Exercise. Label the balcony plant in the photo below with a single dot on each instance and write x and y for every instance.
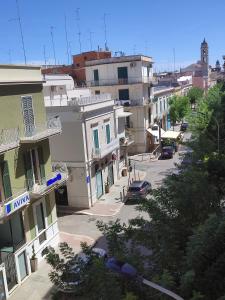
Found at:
(33, 261)
(107, 186)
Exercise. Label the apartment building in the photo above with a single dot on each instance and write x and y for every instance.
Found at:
(93, 142)
(28, 220)
(129, 80)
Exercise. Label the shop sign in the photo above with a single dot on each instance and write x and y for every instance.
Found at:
(17, 203)
(54, 179)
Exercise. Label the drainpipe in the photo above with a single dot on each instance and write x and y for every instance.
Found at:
(87, 153)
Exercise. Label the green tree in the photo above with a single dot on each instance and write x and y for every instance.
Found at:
(179, 108)
(195, 94)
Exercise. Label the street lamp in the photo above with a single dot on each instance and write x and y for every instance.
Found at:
(130, 272)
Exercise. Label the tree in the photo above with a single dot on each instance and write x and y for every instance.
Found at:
(179, 107)
(195, 94)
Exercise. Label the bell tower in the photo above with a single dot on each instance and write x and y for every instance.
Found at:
(204, 52)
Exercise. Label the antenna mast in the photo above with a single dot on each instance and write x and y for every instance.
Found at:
(78, 26)
(105, 32)
(21, 31)
(53, 43)
(67, 43)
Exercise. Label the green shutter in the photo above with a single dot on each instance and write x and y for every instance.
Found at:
(122, 73)
(41, 164)
(96, 141)
(6, 179)
(28, 170)
(108, 133)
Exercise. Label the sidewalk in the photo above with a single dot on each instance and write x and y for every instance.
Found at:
(38, 285)
(110, 204)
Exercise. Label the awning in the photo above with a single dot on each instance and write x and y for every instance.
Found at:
(124, 114)
(155, 132)
(171, 134)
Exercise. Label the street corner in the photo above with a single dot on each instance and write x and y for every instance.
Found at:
(102, 209)
(75, 240)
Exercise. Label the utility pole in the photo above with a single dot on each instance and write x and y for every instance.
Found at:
(67, 43)
(53, 43)
(21, 31)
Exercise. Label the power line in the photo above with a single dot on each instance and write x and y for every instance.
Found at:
(53, 43)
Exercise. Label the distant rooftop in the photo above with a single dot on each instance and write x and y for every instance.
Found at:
(119, 59)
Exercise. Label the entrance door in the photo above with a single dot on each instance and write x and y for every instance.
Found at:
(110, 174)
(99, 186)
(10, 269)
(61, 197)
(2, 287)
(22, 265)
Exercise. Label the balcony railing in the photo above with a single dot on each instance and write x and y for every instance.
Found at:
(37, 132)
(58, 177)
(82, 101)
(120, 81)
(137, 102)
(9, 139)
(98, 153)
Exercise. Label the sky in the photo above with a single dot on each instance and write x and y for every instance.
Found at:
(158, 28)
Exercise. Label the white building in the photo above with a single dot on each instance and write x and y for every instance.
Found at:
(89, 143)
(128, 79)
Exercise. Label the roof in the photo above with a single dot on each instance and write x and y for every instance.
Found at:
(171, 134)
(155, 132)
(119, 59)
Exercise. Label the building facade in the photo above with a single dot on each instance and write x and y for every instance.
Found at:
(28, 221)
(129, 80)
(89, 144)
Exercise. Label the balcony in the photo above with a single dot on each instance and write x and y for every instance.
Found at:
(58, 177)
(126, 140)
(136, 102)
(38, 132)
(9, 139)
(120, 81)
(99, 153)
(19, 199)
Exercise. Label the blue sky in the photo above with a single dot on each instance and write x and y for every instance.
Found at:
(152, 27)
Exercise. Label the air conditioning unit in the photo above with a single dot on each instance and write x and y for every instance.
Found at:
(133, 64)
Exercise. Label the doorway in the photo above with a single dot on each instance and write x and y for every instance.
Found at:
(99, 186)
(110, 174)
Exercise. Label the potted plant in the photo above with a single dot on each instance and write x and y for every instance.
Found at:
(33, 261)
(107, 186)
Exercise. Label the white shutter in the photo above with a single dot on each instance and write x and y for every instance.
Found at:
(28, 114)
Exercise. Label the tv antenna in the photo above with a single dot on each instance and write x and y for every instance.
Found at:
(105, 32)
(67, 43)
(21, 30)
(78, 26)
(53, 42)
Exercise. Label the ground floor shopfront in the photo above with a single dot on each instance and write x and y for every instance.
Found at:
(32, 226)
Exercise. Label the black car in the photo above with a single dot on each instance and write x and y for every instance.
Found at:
(167, 152)
(138, 189)
(183, 126)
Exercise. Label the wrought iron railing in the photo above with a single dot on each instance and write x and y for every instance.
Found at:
(120, 81)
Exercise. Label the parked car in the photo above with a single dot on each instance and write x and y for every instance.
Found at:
(184, 126)
(138, 189)
(167, 152)
(121, 267)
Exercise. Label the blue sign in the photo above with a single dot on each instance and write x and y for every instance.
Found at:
(17, 203)
(88, 179)
(54, 179)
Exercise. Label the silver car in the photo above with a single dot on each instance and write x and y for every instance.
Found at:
(138, 189)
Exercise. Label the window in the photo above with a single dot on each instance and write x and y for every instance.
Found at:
(6, 192)
(122, 75)
(28, 115)
(97, 92)
(107, 128)
(96, 140)
(124, 94)
(34, 167)
(96, 76)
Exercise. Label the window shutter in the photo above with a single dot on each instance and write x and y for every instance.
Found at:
(41, 164)
(107, 133)
(28, 170)
(96, 141)
(28, 115)
(6, 179)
